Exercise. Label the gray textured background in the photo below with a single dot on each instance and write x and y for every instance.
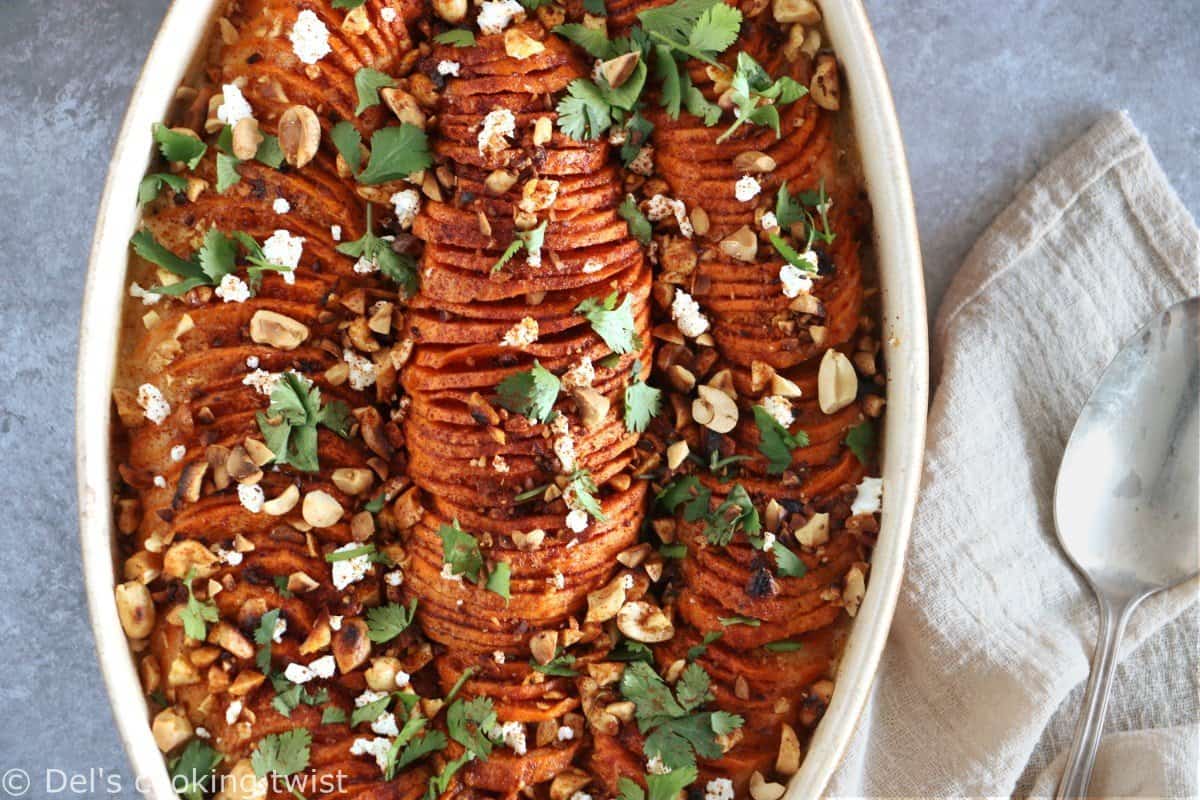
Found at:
(987, 92)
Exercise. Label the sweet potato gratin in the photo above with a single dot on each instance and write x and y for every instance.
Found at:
(498, 402)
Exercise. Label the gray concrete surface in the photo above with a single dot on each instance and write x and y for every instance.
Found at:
(987, 92)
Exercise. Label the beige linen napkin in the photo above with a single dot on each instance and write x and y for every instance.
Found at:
(981, 680)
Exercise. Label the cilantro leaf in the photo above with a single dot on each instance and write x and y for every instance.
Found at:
(440, 783)
(269, 152)
(468, 722)
(592, 40)
(790, 254)
(283, 754)
(457, 37)
(783, 646)
(560, 665)
(788, 210)
(146, 246)
(290, 422)
(192, 773)
(612, 323)
(532, 393)
(414, 747)
(217, 255)
(371, 711)
(498, 580)
(595, 7)
(461, 551)
(639, 226)
(227, 174)
(788, 563)
(736, 513)
(584, 113)
(333, 715)
(152, 184)
(264, 635)
(348, 4)
(861, 441)
(176, 146)
(642, 402)
(697, 650)
(530, 241)
(348, 141)
(387, 622)
(581, 492)
(399, 267)
(367, 83)
(697, 28)
(715, 29)
(775, 442)
(396, 152)
(740, 620)
(196, 615)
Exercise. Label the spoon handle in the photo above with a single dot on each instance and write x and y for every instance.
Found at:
(1078, 773)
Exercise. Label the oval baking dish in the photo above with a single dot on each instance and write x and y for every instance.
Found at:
(865, 101)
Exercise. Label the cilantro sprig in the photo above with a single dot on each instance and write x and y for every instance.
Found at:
(735, 513)
(290, 422)
(192, 772)
(612, 323)
(642, 401)
(531, 393)
(397, 152)
(756, 98)
(399, 267)
(196, 614)
(367, 83)
(776, 442)
(531, 241)
(283, 754)
(460, 551)
(385, 623)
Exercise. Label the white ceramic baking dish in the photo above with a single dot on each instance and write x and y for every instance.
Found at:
(183, 32)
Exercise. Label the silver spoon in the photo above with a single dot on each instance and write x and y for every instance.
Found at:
(1125, 504)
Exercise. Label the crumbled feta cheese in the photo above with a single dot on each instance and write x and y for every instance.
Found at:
(592, 265)
(362, 370)
(365, 266)
(385, 725)
(406, 204)
(627, 582)
(445, 67)
(581, 795)
(577, 520)
(659, 207)
(335, 622)
(388, 14)
(523, 334)
(298, 673)
(565, 733)
(234, 107)
(231, 557)
(579, 376)
(768, 542)
(498, 125)
(252, 362)
(769, 221)
(780, 409)
(747, 188)
(153, 403)
(367, 697)
(323, 667)
(448, 573)
(377, 747)
(402, 678)
(283, 249)
(643, 162)
(310, 38)
(350, 570)
(496, 15)
(655, 766)
(336, 232)
(279, 630)
(251, 497)
(500, 464)
(263, 382)
(687, 315)
(160, 481)
(512, 734)
(394, 578)
(499, 657)
(148, 298)
(870, 497)
(719, 789)
(178, 452)
(232, 289)
(203, 733)
(795, 280)
(280, 205)
(559, 579)
(564, 449)
(233, 711)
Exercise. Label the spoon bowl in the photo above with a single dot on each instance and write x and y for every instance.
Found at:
(1127, 495)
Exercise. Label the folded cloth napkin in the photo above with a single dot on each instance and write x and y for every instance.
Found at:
(982, 678)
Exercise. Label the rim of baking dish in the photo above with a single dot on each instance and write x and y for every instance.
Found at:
(178, 43)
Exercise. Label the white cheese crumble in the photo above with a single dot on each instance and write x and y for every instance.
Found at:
(627, 582)
(564, 444)
(178, 452)
(512, 734)
(365, 266)
(350, 570)
(769, 221)
(448, 573)
(148, 298)
(234, 107)
(263, 382)
(310, 38)
(719, 789)
(160, 481)
(795, 280)
(565, 733)
(780, 409)
(687, 315)
(388, 15)
(203, 733)
(335, 622)
(402, 678)
(232, 289)
(153, 403)
(496, 15)
(284, 250)
(768, 542)
(581, 795)
(252, 362)
(251, 497)
(747, 188)
(643, 162)
(655, 766)
(367, 697)
(280, 630)
(394, 578)
(233, 711)
(336, 232)
(499, 464)
(559, 579)
(523, 334)
(377, 748)
(577, 522)
(231, 557)
(870, 497)
(280, 205)
(445, 67)
(406, 204)
(592, 265)
(362, 370)
(579, 376)
(385, 725)
(499, 657)
(498, 125)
